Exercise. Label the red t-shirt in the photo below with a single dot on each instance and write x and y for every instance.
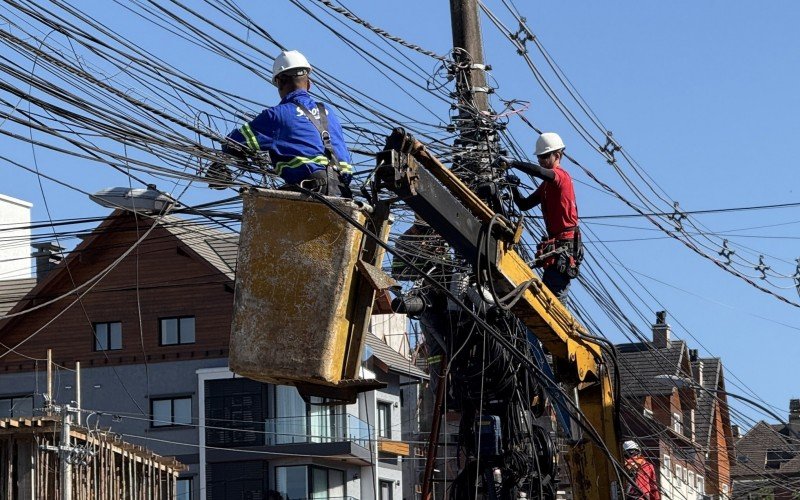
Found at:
(558, 205)
(645, 477)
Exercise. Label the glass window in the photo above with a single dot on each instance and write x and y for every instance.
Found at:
(186, 330)
(292, 482)
(182, 411)
(184, 489)
(386, 490)
(107, 336)
(319, 484)
(384, 420)
(303, 482)
(677, 424)
(171, 411)
(179, 330)
(162, 412)
(18, 406)
(336, 486)
(290, 416)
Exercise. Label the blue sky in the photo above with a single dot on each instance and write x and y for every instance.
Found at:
(702, 94)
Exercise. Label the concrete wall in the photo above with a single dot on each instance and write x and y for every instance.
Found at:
(15, 252)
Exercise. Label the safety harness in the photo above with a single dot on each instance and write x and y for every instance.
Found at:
(321, 124)
(565, 254)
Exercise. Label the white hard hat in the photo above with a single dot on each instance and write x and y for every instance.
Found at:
(290, 60)
(548, 142)
(630, 445)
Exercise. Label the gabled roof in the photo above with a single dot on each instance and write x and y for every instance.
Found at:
(220, 249)
(12, 291)
(217, 248)
(393, 359)
(641, 362)
(705, 414)
(766, 450)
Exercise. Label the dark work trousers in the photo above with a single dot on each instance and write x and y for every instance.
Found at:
(557, 282)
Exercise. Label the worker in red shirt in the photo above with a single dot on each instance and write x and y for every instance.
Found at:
(560, 252)
(645, 485)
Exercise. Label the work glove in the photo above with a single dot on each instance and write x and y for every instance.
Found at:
(219, 175)
(512, 180)
(503, 162)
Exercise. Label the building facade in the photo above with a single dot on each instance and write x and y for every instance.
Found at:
(149, 321)
(675, 406)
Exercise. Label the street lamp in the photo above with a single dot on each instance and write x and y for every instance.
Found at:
(149, 200)
(681, 382)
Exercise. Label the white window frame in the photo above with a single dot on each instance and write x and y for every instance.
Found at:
(389, 406)
(677, 423)
(666, 463)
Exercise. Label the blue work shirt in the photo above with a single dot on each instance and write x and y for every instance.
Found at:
(293, 142)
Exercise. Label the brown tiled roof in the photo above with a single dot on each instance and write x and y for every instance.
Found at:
(12, 291)
(767, 449)
(639, 363)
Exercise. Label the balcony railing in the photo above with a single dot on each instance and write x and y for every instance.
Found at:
(332, 428)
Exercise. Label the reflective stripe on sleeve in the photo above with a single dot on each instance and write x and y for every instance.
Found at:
(299, 161)
(250, 137)
(345, 167)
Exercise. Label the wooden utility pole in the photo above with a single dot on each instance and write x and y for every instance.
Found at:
(477, 142)
(467, 36)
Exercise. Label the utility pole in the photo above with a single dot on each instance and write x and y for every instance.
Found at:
(48, 397)
(67, 454)
(467, 36)
(65, 449)
(477, 144)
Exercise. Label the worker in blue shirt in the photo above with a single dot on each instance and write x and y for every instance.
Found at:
(304, 138)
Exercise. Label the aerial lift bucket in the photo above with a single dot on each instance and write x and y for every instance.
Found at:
(305, 284)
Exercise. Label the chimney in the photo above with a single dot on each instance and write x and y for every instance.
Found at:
(794, 411)
(661, 331)
(699, 365)
(15, 229)
(735, 431)
(47, 256)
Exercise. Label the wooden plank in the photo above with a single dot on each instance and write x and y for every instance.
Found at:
(394, 447)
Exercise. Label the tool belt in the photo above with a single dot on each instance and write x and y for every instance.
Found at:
(565, 254)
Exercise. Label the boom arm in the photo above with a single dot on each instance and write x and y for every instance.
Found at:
(437, 196)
